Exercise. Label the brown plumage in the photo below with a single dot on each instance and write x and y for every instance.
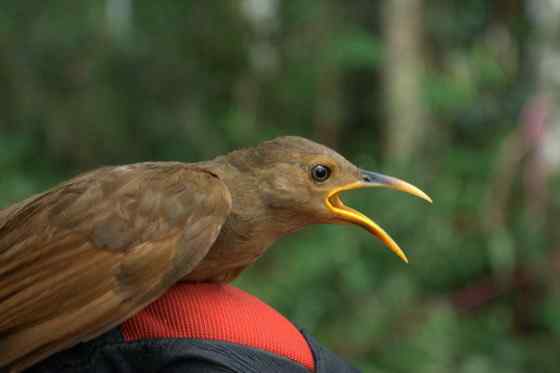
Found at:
(86, 255)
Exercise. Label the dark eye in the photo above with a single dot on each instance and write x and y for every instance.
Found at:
(320, 173)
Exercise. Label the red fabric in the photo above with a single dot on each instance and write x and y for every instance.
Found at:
(219, 312)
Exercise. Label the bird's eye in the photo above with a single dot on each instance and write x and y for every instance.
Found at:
(320, 173)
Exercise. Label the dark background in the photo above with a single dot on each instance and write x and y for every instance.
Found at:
(457, 97)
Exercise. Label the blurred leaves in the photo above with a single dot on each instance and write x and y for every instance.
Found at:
(354, 50)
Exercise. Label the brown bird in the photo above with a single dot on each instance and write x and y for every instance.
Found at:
(81, 258)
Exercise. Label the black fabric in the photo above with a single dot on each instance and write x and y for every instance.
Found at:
(111, 354)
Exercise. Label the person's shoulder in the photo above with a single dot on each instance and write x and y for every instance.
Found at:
(202, 328)
(219, 312)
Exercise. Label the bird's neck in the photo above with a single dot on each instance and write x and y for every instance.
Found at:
(248, 231)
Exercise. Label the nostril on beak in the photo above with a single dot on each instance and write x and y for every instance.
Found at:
(366, 178)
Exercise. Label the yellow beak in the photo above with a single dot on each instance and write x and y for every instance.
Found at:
(372, 180)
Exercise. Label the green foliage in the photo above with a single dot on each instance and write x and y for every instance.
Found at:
(354, 50)
(186, 85)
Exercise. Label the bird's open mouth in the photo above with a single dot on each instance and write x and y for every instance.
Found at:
(350, 215)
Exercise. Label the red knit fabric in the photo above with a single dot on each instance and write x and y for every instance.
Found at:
(219, 312)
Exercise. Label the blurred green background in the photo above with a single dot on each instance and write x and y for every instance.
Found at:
(458, 98)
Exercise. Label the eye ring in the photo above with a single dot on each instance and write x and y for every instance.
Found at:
(320, 173)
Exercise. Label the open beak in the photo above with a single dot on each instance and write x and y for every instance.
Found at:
(371, 180)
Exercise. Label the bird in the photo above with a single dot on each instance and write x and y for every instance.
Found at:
(86, 255)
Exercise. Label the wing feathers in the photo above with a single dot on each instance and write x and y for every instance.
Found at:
(84, 256)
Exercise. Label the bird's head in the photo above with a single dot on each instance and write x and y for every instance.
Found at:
(299, 182)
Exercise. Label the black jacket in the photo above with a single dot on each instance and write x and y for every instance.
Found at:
(200, 328)
(111, 354)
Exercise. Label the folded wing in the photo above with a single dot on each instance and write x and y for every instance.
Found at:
(86, 255)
